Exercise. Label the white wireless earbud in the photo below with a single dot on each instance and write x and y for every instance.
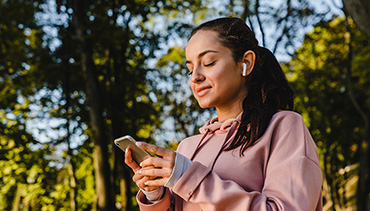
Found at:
(244, 69)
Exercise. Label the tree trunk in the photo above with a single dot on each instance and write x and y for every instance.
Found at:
(363, 175)
(105, 198)
(359, 10)
(17, 199)
(71, 166)
(73, 184)
(121, 173)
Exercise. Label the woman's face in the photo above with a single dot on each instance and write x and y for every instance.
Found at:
(216, 79)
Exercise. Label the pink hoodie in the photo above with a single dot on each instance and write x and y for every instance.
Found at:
(281, 171)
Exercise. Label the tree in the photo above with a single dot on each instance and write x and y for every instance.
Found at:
(116, 71)
(359, 10)
(115, 41)
(26, 177)
(325, 73)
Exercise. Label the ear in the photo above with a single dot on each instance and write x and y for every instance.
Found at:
(249, 59)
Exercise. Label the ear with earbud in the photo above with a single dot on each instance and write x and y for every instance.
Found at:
(244, 69)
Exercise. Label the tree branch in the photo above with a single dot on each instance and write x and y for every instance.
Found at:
(256, 6)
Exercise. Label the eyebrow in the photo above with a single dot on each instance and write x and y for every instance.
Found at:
(202, 54)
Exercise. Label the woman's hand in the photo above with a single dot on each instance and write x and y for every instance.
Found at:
(138, 178)
(157, 170)
(153, 172)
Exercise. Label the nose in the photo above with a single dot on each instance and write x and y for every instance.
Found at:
(197, 76)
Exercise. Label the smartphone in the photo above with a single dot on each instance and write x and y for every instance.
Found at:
(137, 154)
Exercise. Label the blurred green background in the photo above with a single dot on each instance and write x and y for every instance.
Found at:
(76, 74)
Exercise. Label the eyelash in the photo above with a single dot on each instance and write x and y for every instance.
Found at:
(206, 65)
(210, 64)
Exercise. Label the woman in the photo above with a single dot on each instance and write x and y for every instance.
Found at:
(257, 155)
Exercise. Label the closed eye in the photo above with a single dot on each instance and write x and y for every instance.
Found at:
(210, 64)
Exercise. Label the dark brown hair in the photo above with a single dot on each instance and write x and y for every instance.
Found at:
(268, 88)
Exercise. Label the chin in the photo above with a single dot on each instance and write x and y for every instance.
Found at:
(204, 106)
(205, 102)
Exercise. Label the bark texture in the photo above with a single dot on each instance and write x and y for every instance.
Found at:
(105, 197)
(359, 10)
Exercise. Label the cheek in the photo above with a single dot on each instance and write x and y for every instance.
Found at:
(221, 76)
(192, 88)
(228, 73)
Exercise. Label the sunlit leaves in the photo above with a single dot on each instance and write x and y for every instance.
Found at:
(319, 75)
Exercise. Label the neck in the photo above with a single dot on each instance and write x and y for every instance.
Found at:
(227, 114)
(232, 109)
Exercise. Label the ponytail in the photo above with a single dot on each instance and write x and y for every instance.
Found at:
(268, 92)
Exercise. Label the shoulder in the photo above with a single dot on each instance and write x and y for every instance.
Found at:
(286, 120)
(286, 116)
(290, 136)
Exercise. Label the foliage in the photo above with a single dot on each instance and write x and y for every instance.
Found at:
(25, 173)
(122, 40)
(319, 75)
(136, 49)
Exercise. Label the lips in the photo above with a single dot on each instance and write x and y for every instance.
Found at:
(201, 91)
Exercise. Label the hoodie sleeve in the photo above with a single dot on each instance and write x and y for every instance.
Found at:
(292, 180)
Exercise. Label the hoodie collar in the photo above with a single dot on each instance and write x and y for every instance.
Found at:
(214, 125)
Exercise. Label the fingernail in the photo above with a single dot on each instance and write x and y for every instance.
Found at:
(141, 164)
(146, 183)
(139, 143)
(126, 150)
(139, 172)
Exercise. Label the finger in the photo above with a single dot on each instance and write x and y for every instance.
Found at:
(157, 172)
(156, 182)
(143, 184)
(156, 149)
(139, 175)
(150, 188)
(130, 162)
(158, 162)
